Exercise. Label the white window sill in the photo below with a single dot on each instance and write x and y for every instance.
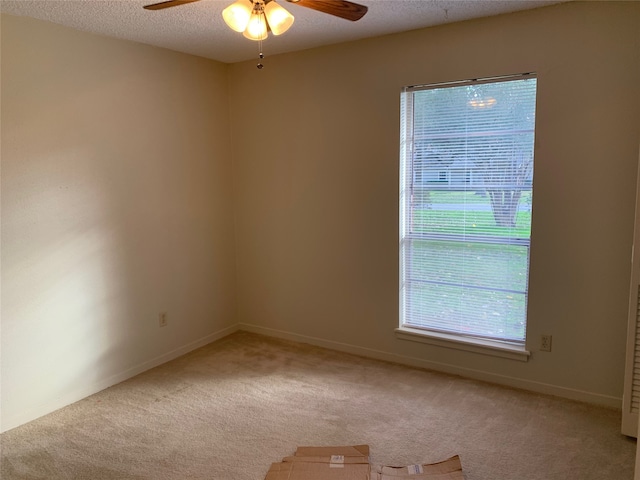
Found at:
(476, 345)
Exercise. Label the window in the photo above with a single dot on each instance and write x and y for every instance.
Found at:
(465, 208)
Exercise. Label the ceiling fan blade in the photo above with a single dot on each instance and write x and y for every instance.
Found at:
(338, 8)
(167, 4)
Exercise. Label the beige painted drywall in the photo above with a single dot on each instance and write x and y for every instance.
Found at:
(116, 206)
(317, 188)
(117, 200)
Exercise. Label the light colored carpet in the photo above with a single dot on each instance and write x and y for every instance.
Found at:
(230, 409)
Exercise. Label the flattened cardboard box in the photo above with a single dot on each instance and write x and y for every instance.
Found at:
(324, 463)
(450, 469)
(420, 476)
(318, 471)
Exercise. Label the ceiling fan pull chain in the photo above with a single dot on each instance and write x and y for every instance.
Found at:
(260, 54)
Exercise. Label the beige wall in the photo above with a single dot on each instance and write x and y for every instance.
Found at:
(116, 205)
(117, 199)
(317, 189)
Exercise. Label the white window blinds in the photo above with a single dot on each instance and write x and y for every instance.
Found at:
(466, 197)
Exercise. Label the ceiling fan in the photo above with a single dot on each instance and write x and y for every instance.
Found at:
(339, 8)
(256, 18)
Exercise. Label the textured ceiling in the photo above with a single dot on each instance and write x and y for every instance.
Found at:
(197, 28)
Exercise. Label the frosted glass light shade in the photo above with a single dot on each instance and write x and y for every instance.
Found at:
(257, 27)
(279, 19)
(482, 102)
(237, 15)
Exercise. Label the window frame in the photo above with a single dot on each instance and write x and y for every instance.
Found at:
(500, 348)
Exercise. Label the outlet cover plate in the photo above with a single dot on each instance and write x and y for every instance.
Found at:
(545, 343)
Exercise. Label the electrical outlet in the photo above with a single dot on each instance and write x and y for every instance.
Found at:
(162, 319)
(545, 343)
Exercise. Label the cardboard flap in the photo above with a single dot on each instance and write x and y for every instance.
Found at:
(347, 451)
(319, 459)
(421, 476)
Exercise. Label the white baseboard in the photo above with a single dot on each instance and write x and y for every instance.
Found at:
(38, 411)
(530, 385)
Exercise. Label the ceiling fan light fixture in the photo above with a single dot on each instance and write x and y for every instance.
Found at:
(237, 15)
(280, 20)
(257, 27)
